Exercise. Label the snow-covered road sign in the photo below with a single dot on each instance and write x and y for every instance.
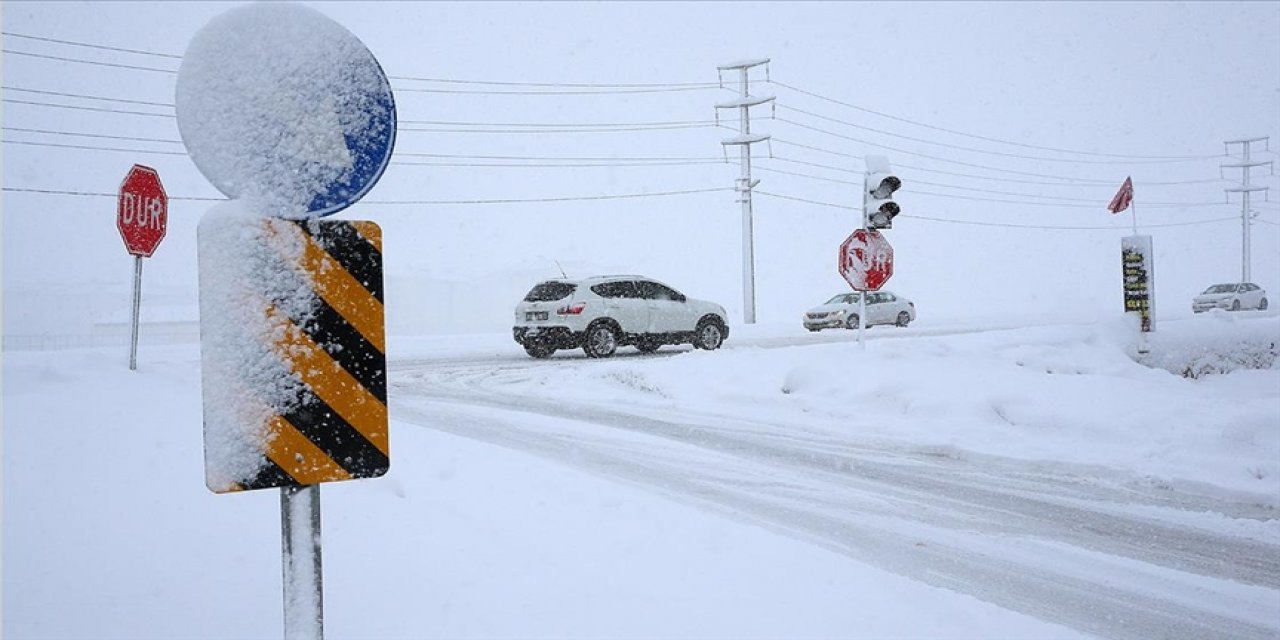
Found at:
(866, 260)
(295, 374)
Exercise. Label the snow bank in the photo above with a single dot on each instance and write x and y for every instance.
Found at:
(1058, 393)
(1220, 342)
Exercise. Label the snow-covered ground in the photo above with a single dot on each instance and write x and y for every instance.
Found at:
(587, 519)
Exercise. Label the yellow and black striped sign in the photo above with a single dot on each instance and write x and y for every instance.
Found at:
(324, 313)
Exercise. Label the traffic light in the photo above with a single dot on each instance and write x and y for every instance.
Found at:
(879, 209)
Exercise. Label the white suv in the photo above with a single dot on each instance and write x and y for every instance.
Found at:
(602, 313)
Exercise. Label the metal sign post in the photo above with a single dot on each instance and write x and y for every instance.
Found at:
(303, 297)
(137, 307)
(303, 587)
(142, 217)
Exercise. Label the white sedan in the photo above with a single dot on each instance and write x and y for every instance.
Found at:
(1233, 296)
(883, 307)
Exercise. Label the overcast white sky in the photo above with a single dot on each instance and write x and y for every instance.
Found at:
(934, 86)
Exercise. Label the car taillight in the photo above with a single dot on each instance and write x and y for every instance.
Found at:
(572, 309)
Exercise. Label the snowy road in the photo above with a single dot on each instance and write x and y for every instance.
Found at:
(1090, 548)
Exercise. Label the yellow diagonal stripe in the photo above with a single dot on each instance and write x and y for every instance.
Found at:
(335, 386)
(344, 293)
(301, 459)
(370, 232)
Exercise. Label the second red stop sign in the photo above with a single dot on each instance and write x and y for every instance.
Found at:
(866, 260)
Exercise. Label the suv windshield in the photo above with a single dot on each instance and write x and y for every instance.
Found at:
(1221, 288)
(548, 291)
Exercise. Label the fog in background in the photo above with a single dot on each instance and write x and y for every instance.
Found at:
(950, 92)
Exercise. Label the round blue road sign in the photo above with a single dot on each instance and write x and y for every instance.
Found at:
(282, 107)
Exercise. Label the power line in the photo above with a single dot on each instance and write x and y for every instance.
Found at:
(621, 196)
(642, 127)
(556, 164)
(651, 85)
(89, 135)
(915, 153)
(1137, 160)
(458, 123)
(1073, 182)
(82, 108)
(936, 128)
(997, 224)
(88, 97)
(91, 148)
(649, 124)
(546, 131)
(570, 92)
(553, 163)
(10, 34)
(565, 158)
(805, 175)
(83, 61)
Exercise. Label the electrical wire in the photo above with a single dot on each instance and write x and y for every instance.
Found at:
(88, 135)
(88, 97)
(1139, 160)
(83, 61)
(945, 130)
(994, 224)
(1060, 183)
(10, 34)
(83, 108)
(914, 153)
(621, 196)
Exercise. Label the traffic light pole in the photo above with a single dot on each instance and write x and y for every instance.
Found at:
(862, 295)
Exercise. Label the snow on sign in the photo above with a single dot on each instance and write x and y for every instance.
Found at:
(866, 260)
(284, 108)
(142, 211)
(288, 114)
(293, 342)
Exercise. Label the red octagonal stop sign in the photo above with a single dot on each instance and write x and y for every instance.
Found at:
(142, 211)
(866, 260)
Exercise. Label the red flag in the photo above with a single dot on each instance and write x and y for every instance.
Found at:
(1123, 197)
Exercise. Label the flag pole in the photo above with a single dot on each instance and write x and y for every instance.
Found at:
(1135, 218)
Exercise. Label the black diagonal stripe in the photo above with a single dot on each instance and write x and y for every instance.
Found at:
(269, 476)
(358, 256)
(333, 435)
(347, 347)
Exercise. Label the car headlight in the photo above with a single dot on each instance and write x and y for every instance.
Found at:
(839, 313)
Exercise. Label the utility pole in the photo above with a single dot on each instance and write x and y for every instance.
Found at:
(1245, 165)
(744, 183)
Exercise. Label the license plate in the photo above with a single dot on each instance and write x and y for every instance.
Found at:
(531, 316)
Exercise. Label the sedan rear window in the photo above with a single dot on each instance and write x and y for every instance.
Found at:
(548, 291)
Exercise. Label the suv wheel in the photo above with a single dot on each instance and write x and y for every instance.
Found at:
(539, 350)
(709, 336)
(851, 322)
(601, 341)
